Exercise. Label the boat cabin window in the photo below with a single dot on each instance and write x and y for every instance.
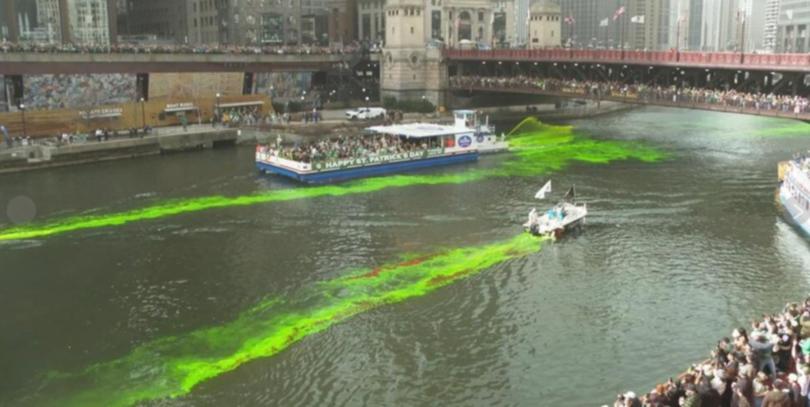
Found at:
(467, 118)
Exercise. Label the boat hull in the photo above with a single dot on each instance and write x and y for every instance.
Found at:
(326, 177)
(793, 211)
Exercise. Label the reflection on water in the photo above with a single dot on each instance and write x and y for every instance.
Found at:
(675, 254)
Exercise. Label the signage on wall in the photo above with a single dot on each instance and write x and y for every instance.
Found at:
(101, 113)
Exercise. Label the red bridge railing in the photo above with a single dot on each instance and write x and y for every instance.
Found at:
(778, 62)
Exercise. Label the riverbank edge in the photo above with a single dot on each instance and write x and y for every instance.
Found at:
(196, 138)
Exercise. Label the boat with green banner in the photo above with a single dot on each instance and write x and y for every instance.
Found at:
(380, 150)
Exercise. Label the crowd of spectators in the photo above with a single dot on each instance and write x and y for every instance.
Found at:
(65, 138)
(644, 92)
(766, 365)
(342, 148)
(240, 116)
(9, 47)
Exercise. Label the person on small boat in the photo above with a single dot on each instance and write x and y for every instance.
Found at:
(533, 216)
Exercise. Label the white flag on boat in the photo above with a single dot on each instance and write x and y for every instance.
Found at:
(541, 194)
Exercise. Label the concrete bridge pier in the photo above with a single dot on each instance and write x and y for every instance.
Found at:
(409, 71)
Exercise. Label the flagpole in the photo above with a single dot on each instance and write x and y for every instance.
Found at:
(621, 36)
(678, 41)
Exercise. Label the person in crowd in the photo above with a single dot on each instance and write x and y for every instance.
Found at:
(6, 138)
(347, 147)
(761, 344)
(778, 396)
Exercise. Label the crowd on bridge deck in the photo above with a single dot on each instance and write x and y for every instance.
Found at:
(644, 92)
(343, 147)
(123, 48)
(764, 365)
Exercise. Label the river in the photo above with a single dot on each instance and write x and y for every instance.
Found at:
(675, 254)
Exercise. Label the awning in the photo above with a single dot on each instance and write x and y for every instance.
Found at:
(175, 109)
(241, 104)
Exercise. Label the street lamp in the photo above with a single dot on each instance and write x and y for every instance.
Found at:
(143, 113)
(216, 108)
(25, 130)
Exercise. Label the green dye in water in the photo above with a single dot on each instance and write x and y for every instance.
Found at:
(537, 149)
(785, 128)
(172, 366)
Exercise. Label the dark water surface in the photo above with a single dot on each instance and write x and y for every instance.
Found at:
(675, 255)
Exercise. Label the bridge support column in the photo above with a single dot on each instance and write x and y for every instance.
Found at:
(414, 74)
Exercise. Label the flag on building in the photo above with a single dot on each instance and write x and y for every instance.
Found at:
(637, 19)
(789, 14)
(603, 23)
(570, 20)
(618, 13)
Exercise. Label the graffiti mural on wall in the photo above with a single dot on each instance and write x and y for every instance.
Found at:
(188, 86)
(77, 91)
(283, 85)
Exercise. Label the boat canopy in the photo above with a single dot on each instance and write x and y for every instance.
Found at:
(418, 130)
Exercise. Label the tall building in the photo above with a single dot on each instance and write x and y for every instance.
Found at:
(770, 25)
(521, 13)
(793, 26)
(504, 23)
(8, 24)
(721, 20)
(545, 23)
(371, 20)
(276, 22)
(83, 22)
(53, 23)
(92, 22)
(165, 20)
(753, 27)
(455, 22)
(645, 25)
(206, 21)
(694, 26)
(590, 16)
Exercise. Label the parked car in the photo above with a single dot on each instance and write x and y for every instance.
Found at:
(365, 113)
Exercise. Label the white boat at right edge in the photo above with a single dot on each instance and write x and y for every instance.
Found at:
(794, 191)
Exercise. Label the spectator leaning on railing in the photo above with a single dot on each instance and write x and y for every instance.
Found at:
(767, 364)
(653, 93)
(8, 47)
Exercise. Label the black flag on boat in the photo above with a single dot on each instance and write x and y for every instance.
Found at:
(570, 195)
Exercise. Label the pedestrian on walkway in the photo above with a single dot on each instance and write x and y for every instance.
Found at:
(6, 138)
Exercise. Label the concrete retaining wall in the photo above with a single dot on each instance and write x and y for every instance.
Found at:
(45, 156)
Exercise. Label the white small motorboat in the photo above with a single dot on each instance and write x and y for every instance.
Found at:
(558, 220)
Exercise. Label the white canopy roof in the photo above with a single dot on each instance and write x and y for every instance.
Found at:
(418, 130)
(240, 104)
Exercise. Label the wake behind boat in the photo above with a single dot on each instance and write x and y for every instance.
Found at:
(567, 215)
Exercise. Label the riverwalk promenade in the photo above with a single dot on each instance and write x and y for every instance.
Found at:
(50, 153)
(28, 154)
